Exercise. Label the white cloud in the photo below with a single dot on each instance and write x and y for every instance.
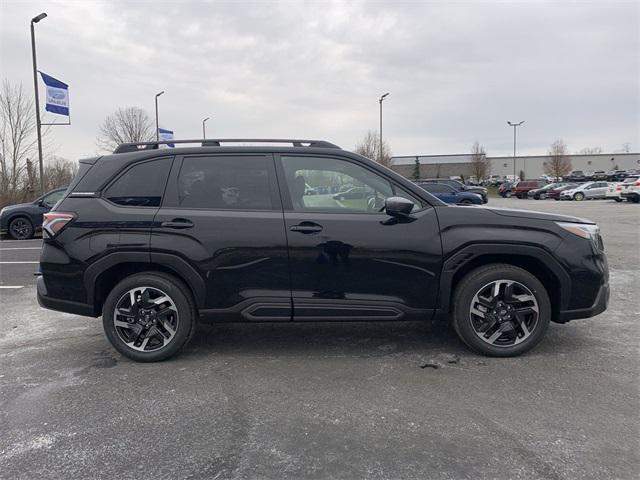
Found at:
(456, 71)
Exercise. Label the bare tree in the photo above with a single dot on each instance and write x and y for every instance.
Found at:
(590, 151)
(129, 124)
(369, 147)
(559, 163)
(17, 138)
(59, 173)
(480, 164)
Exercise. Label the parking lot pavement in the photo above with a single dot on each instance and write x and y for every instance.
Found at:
(326, 400)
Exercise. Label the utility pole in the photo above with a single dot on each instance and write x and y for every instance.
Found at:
(35, 20)
(157, 125)
(515, 125)
(204, 131)
(380, 153)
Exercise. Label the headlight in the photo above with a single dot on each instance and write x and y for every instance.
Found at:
(589, 231)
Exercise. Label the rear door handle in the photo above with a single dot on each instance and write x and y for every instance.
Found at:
(179, 223)
(306, 228)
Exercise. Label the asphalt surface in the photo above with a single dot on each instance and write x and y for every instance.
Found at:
(324, 400)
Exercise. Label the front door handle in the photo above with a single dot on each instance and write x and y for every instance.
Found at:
(179, 223)
(306, 228)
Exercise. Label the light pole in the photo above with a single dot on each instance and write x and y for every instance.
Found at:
(157, 126)
(515, 125)
(204, 131)
(380, 101)
(35, 20)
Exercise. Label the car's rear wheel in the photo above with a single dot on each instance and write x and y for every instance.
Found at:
(21, 228)
(501, 310)
(149, 317)
(579, 196)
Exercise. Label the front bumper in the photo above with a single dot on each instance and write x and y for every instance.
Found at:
(60, 305)
(599, 306)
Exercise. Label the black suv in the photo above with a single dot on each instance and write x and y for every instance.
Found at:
(156, 239)
(459, 186)
(22, 221)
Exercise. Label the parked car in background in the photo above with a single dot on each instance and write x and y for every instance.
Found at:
(351, 194)
(459, 186)
(599, 176)
(24, 220)
(556, 191)
(522, 188)
(505, 190)
(448, 194)
(576, 176)
(630, 189)
(617, 175)
(586, 191)
(541, 193)
(550, 179)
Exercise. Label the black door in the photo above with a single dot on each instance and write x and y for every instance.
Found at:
(222, 214)
(348, 260)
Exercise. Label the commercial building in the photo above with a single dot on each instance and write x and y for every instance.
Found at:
(531, 165)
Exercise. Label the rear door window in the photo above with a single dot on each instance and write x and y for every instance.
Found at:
(141, 185)
(218, 182)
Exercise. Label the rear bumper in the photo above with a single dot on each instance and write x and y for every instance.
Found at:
(59, 305)
(599, 305)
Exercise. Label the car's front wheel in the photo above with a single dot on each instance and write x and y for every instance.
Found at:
(21, 229)
(149, 317)
(579, 196)
(501, 310)
(543, 196)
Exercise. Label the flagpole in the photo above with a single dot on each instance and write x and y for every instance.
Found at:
(35, 88)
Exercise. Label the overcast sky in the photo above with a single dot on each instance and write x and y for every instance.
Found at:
(457, 71)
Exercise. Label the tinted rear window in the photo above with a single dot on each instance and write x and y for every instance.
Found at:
(141, 185)
(225, 183)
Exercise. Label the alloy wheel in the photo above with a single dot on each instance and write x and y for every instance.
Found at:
(145, 319)
(20, 229)
(504, 313)
(579, 196)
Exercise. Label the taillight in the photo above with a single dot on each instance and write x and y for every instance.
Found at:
(637, 184)
(54, 222)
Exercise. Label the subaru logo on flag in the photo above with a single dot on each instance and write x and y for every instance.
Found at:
(57, 95)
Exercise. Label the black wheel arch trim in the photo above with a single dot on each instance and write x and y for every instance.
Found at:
(179, 266)
(462, 257)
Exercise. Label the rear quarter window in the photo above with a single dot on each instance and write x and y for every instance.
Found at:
(140, 185)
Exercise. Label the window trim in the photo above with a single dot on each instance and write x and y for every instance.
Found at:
(170, 198)
(286, 197)
(129, 166)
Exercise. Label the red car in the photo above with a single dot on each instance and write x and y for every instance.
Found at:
(555, 192)
(522, 188)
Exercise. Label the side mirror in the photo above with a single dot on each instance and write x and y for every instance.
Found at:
(398, 206)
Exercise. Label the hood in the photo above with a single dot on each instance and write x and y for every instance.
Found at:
(475, 188)
(17, 206)
(507, 212)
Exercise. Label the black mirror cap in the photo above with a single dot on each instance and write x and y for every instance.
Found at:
(398, 206)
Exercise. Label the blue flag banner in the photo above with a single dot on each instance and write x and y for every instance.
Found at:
(165, 135)
(57, 95)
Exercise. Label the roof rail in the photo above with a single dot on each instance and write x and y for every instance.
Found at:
(216, 142)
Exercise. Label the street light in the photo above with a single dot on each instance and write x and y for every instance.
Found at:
(157, 126)
(204, 132)
(35, 20)
(515, 125)
(381, 99)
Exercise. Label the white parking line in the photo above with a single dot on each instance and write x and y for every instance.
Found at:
(20, 248)
(11, 286)
(3, 263)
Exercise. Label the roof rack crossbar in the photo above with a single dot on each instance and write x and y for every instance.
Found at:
(208, 142)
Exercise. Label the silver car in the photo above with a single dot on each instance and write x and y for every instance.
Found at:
(586, 191)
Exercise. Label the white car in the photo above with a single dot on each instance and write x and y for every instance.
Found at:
(615, 189)
(630, 189)
(589, 190)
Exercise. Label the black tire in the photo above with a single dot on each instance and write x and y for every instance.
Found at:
(179, 295)
(507, 195)
(542, 196)
(478, 279)
(465, 202)
(21, 228)
(578, 197)
(617, 199)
